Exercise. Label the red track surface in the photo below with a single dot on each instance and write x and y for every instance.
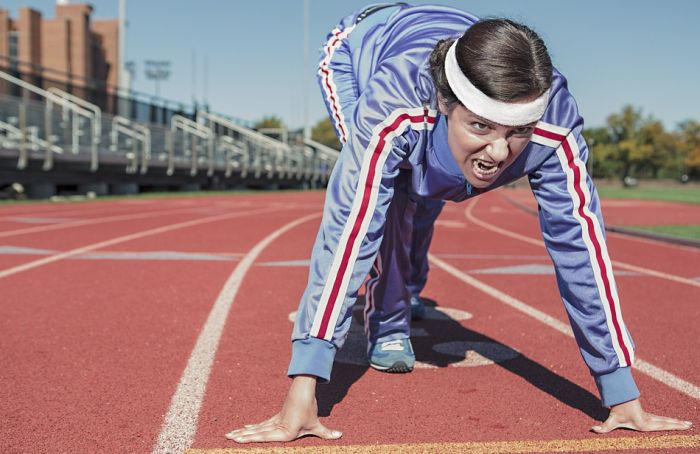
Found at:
(93, 350)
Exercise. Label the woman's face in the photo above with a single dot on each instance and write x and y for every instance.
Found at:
(482, 148)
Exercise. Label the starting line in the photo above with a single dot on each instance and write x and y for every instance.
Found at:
(488, 447)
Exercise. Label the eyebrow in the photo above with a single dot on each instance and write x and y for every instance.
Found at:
(492, 123)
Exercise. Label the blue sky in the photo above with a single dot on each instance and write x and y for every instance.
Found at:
(613, 52)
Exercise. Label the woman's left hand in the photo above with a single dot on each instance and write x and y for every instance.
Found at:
(631, 415)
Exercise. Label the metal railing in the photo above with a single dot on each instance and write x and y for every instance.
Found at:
(267, 155)
(135, 134)
(324, 160)
(95, 116)
(15, 137)
(191, 131)
(237, 156)
(71, 113)
(58, 123)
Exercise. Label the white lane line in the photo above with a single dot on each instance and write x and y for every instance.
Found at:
(180, 425)
(665, 377)
(626, 266)
(656, 243)
(128, 255)
(58, 210)
(533, 211)
(503, 297)
(36, 220)
(120, 217)
(122, 239)
(649, 369)
(492, 256)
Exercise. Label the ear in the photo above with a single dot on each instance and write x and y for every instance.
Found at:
(442, 107)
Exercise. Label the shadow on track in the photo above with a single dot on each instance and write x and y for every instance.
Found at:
(449, 342)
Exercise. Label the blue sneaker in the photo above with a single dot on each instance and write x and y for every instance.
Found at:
(417, 308)
(394, 356)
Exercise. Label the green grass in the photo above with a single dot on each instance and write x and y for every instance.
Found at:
(685, 194)
(690, 232)
(153, 195)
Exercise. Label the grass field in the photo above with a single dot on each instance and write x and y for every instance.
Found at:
(685, 194)
(691, 232)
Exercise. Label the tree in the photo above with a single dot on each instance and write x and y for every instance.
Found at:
(272, 121)
(624, 134)
(272, 126)
(633, 144)
(688, 138)
(640, 145)
(602, 160)
(662, 156)
(324, 132)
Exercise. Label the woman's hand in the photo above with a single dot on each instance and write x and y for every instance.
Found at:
(299, 417)
(631, 415)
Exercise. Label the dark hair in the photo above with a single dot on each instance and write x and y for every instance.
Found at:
(507, 61)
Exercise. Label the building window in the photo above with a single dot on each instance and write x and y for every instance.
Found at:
(14, 49)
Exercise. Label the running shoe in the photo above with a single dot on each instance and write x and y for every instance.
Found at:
(394, 356)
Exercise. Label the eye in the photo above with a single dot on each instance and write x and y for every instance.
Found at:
(480, 126)
(523, 131)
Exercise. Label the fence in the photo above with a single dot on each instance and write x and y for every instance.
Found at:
(48, 128)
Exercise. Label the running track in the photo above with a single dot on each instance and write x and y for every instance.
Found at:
(158, 325)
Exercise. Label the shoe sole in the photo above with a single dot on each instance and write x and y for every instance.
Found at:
(398, 367)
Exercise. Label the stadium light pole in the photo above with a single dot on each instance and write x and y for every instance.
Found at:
(305, 78)
(157, 70)
(123, 74)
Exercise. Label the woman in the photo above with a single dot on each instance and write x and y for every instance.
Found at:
(428, 111)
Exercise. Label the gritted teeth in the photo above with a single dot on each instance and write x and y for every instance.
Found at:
(485, 165)
(484, 169)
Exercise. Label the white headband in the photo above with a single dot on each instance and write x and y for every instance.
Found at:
(504, 113)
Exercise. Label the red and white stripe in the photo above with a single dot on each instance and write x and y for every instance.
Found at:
(569, 156)
(361, 213)
(548, 135)
(370, 306)
(329, 88)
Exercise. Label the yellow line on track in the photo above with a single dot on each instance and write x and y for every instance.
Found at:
(488, 447)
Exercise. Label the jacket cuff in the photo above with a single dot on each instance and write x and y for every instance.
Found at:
(312, 356)
(617, 387)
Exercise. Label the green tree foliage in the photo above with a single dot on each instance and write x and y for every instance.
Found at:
(324, 132)
(688, 139)
(272, 121)
(602, 158)
(635, 145)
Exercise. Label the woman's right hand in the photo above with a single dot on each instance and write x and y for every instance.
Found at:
(299, 417)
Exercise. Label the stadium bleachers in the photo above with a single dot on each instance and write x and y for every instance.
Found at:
(52, 139)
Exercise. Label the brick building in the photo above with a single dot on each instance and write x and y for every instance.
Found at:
(71, 48)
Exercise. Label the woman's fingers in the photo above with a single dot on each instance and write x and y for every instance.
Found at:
(251, 431)
(248, 427)
(265, 434)
(609, 425)
(267, 422)
(643, 423)
(321, 431)
(268, 431)
(277, 433)
(666, 423)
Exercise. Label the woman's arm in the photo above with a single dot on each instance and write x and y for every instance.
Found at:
(574, 234)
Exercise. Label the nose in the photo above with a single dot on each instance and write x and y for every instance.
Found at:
(498, 150)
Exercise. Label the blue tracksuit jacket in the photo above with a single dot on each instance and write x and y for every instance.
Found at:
(380, 94)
